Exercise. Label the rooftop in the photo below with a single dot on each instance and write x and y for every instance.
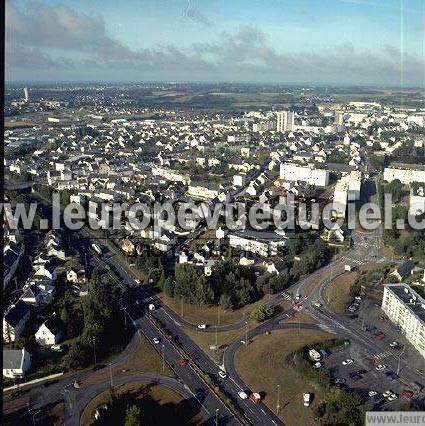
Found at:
(409, 298)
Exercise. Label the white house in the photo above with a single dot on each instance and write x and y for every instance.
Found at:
(50, 332)
(16, 362)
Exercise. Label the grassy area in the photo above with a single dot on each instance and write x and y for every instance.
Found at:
(211, 315)
(143, 359)
(262, 366)
(338, 291)
(204, 340)
(158, 405)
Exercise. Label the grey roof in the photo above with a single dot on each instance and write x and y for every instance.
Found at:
(406, 268)
(33, 291)
(12, 358)
(338, 167)
(16, 313)
(410, 299)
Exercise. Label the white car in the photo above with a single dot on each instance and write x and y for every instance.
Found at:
(372, 393)
(347, 361)
(243, 395)
(317, 365)
(317, 304)
(222, 374)
(394, 344)
(202, 326)
(392, 397)
(56, 348)
(387, 393)
(306, 399)
(156, 340)
(137, 281)
(380, 367)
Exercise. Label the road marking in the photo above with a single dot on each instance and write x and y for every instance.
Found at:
(171, 318)
(383, 355)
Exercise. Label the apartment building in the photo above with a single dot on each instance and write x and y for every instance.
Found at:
(291, 172)
(406, 308)
(285, 121)
(405, 173)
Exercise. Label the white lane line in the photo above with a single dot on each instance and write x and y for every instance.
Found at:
(171, 318)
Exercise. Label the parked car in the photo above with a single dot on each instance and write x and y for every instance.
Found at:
(408, 394)
(57, 348)
(380, 367)
(243, 395)
(202, 326)
(155, 340)
(222, 374)
(387, 393)
(347, 361)
(306, 399)
(394, 345)
(339, 381)
(372, 393)
(392, 397)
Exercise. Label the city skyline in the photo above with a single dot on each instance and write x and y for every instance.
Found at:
(339, 42)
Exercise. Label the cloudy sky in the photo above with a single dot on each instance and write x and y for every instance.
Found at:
(285, 41)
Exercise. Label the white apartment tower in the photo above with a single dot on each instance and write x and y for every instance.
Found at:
(406, 308)
(26, 94)
(285, 121)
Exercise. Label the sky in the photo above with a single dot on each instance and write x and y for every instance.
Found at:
(338, 42)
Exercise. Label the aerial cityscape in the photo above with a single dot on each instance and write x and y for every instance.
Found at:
(214, 213)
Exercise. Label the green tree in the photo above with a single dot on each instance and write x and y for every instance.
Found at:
(64, 315)
(132, 415)
(262, 312)
(169, 286)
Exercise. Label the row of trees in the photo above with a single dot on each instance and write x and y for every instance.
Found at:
(230, 285)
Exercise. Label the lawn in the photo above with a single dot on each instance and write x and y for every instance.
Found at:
(158, 404)
(210, 315)
(338, 292)
(262, 367)
(204, 340)
(143, 359)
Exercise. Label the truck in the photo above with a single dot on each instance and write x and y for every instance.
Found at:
(96, 248)
(306, 399)
(255, 397)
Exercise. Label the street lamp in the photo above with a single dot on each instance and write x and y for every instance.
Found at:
(278, 399)
(110, 374)
(163, 358)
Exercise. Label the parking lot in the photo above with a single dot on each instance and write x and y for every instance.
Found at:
(362, 375)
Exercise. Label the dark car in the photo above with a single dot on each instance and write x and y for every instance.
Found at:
(49, 382)
(391, 375)
(98, 367)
